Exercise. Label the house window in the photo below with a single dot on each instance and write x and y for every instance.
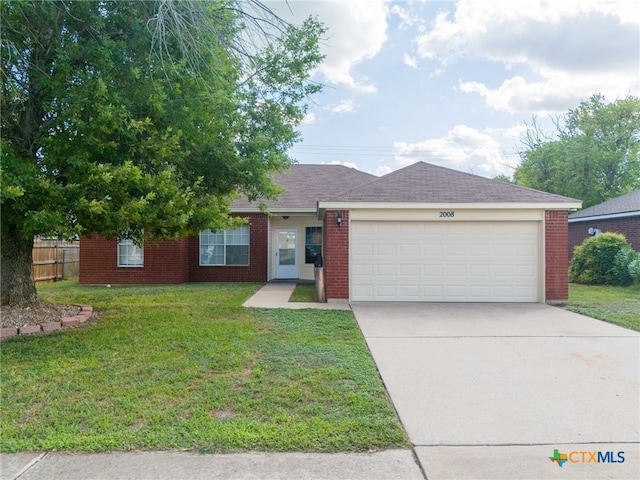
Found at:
(129, 254)
(312, 244)
(225, 247)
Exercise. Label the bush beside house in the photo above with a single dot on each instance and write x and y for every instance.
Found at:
(606, 259)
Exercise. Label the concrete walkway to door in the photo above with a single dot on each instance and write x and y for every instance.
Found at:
(491, 391)
(277, 294)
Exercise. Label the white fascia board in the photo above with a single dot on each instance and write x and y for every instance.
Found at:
(605, 217)
(466, 206)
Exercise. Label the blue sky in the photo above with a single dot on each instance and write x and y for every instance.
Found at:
(454, 82)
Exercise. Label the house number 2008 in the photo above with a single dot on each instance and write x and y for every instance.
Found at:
(447, 214)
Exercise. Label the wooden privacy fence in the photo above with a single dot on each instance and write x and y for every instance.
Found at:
(55, 259)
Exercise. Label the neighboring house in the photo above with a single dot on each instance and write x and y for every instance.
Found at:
(422, 233)
(620, 215)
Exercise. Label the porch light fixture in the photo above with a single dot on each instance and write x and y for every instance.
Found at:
(286, 217)
(338, 219)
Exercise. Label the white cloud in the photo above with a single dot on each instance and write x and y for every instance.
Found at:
(309, 119)
(410, 61)
(382, 170)
(346, 164)
(357, 30)
(463, 148)
(573, 48)
(516, 95)
(344, 106)
(407, 19)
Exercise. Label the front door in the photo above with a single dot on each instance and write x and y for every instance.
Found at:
(286, 253)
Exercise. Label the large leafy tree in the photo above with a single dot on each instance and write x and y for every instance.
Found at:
(141, 119)
(594, 156)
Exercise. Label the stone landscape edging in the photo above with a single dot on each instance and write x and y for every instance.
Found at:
(85, 314)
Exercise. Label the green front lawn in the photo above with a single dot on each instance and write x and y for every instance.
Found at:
(186, 367)
(619, 305)
(304, 292)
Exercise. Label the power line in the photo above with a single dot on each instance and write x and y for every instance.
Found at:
(362, 150)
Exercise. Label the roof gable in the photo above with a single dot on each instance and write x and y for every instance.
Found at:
(627, 203)
(426, 183)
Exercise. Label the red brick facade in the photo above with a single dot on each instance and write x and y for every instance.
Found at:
(171, 262)
(628, 226)
(336, 255)
(556, 236)
(163, 263)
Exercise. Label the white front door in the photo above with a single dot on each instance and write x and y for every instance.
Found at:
(286, 253)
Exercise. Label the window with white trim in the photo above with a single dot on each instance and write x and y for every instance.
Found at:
(226, 247)
(130, 254)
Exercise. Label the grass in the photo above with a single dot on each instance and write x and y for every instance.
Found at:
(619, 305)
(186, 367)
(304, 292)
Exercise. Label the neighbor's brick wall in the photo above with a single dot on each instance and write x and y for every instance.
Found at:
(556, 236)
(164, 262)
(629, 227)
(256, 271)
(336, 255)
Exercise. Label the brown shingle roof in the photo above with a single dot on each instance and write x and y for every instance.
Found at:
(306, 184)
(420, 182)
(423, 182)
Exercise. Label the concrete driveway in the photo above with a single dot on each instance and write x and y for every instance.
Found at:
(490, 391)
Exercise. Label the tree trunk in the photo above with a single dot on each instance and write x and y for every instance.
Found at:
(18, 286)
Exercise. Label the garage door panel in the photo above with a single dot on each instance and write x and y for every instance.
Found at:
(409, 250)
(386, 291)
(502, 271)
(525, 249)
(434, 261)
(410, 291)
(410, 229)
(480, 271)
(386, 250)
(386, 229)
(363, 270)
(410, 270)
(478, 249)
(458, 292)
(434, 250)
(434, 271)
(366, 250)
(432, 292)
(385, 270)
(366, 228)
(480, 291)
(525, 271)
(454, 271)
(456, 249)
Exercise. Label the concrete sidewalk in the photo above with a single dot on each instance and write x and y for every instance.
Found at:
(277, 294)
(389, 464)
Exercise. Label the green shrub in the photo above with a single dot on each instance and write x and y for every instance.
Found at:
(596, 261)
(621, 262)
(634, 269)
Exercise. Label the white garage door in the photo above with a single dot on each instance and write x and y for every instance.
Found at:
(444, 262)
